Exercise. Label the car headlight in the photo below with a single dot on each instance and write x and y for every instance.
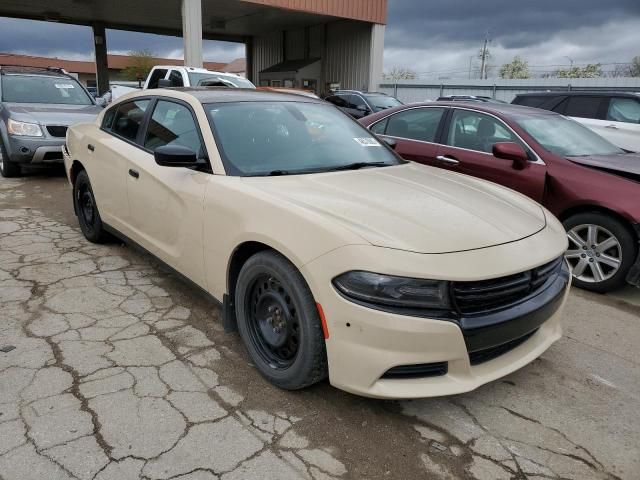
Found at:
(24, 129)
(392, 291)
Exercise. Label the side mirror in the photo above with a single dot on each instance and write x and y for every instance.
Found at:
(511, 151)
(101, 101)
(164, 83)
(175, 156)
(390, 142)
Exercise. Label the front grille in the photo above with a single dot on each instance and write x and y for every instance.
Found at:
(472, 298)
(52, 156)
(481, 356)
(57, 130)
(417, 371)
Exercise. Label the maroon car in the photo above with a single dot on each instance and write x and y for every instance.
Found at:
(591, 185)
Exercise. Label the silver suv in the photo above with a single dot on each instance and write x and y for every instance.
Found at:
(36, 108)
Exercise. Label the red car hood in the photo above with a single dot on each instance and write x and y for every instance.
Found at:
(626, 163)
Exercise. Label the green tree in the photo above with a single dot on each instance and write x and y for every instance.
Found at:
(517, 68)
(592, 70)
(141, 63)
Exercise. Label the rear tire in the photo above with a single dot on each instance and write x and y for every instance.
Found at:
(8, 169)
(87, 210)
(279, 323)
(602, 250)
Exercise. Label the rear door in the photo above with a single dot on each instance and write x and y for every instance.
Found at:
(468, 140)
(166, 203)
(415, 131)
(622, 122)
(111, 149)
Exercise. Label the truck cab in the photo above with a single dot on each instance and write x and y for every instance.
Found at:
(177, 76)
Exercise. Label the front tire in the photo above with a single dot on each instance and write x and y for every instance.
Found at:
(87, 210)
(279, 323)
(601, 251)
(8, 169)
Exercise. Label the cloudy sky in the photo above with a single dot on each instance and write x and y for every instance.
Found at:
(436, 38)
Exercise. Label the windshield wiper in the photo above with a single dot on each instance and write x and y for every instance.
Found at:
(278, 173)
(358, 166)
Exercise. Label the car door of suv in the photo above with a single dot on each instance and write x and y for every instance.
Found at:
(467, 146)
(415, 131)
(111, 150)
(622, 122)
(166, 203)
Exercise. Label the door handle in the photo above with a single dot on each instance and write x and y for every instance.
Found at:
(613, 127)
(134, 173)
(91, 148)
(447, 160)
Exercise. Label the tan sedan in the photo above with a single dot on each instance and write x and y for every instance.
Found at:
(331, 255)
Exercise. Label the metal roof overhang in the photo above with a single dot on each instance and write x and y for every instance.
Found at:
(229, 20)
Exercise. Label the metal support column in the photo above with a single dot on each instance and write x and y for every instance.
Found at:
(102, 67)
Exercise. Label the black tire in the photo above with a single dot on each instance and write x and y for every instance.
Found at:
(8, 169)
(289, 350)
(87, 210)
(626, 252)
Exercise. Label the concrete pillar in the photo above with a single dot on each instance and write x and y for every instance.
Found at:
(248, 53)
(102, 67)
(376, 56)
(192, 32)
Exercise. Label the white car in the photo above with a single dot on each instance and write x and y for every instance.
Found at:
(332, 255)
(176, 76)
(613, 115)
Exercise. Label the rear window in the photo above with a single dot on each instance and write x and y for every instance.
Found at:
(530, 101)
(43, 89)
(583, 107)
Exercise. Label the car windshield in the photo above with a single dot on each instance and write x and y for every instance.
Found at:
(43, 89)
(202, 79)
(382, 102)
(285, 138)
(565, 137)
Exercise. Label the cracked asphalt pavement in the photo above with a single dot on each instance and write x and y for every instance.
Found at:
(120, 371)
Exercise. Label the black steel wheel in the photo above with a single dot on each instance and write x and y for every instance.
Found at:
(8, 169)
(87, 210)
(279, 322)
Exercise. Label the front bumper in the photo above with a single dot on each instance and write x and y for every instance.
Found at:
(34, 150)
(633, 277)
(365, 344)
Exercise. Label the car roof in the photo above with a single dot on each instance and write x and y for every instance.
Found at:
(500, 109)
(18, 70)
(588, 93)
(228, 95)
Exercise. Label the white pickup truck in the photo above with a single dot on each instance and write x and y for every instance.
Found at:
(176, 76)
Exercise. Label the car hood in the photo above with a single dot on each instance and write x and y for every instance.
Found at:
(412, 207)
(45, 114)
(624, 163)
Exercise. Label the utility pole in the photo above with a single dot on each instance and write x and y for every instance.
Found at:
(484, 56)
(470, 65)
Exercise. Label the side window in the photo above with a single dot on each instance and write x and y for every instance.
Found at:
(380, 127)
(583, 107)
(476, 131)
(172, 124)
(530, 101)
(128, 119)
(337, 101)
(175, 77)
(107, 120)
(624, 110)
(357, 101)
(157, 74)
(417, 124)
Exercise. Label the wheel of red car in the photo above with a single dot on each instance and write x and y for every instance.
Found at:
(279, 323)
(601, 251)
(7, 169)
(87, 210)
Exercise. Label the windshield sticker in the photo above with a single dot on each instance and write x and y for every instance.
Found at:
(368, 142)
(64, 85)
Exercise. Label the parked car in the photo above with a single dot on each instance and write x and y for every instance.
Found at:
(295, 91)
(330, 253)
(590, 184)
(36, 107)
(613, 115)
(175, 76)
(360, 104)
(468, 98)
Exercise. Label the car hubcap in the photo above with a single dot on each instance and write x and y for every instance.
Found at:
(273, 323)
(594, 254)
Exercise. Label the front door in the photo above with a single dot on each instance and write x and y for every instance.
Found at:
(166, 203)
(467, 148)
